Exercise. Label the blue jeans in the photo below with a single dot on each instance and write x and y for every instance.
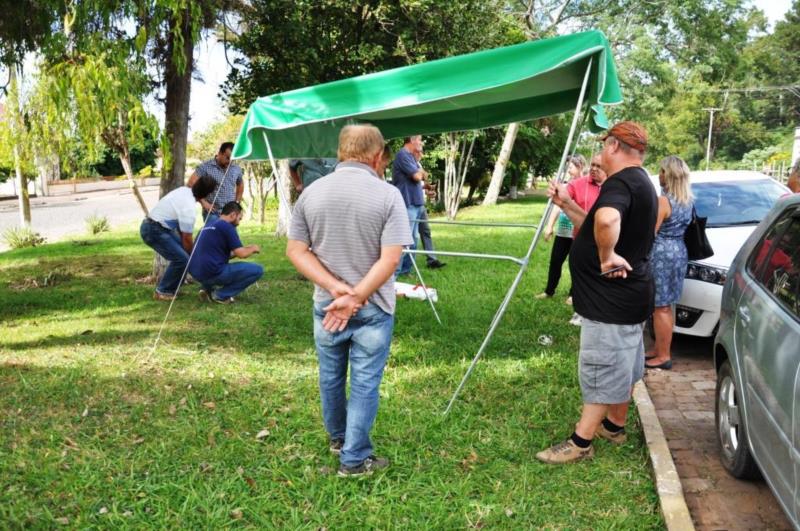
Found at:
(414, 213)
(233, 280)
(365, 345)
(167, 243)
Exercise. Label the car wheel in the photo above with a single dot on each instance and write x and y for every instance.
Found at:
(731, 435)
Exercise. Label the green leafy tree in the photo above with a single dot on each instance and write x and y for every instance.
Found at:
(206, 143)
(167, 32)
(100, 90)
(291, 44)
(25, 26)
(142, 157)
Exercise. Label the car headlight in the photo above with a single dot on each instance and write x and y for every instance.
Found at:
(704, 273)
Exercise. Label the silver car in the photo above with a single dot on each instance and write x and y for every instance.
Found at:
(757, 356)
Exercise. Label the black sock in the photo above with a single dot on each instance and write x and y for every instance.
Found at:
(610, 426)
(579, 441)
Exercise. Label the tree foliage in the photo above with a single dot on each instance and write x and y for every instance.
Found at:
(206, 143)
(291, 44)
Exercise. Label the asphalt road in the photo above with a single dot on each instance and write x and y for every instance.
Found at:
(60, 217)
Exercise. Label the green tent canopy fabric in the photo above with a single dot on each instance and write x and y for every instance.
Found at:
(465, 92)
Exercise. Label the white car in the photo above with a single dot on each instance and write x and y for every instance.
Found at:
(734, 203)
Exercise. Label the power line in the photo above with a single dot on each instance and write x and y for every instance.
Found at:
(793, 89)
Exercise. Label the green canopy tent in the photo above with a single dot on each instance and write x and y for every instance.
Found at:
(466, 92)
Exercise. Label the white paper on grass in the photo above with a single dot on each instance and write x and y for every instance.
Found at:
(415, 291)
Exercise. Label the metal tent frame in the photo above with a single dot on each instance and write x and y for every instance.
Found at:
(521, 262)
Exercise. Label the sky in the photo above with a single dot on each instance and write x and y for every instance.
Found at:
(205, 106)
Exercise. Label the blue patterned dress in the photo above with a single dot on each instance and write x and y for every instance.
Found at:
(668, 259)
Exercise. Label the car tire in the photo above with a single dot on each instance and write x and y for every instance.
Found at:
(732, 442)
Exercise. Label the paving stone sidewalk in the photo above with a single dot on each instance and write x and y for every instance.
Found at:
(684, 401)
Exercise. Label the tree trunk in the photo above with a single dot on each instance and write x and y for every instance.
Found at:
(16, 124)
(49, 169)
(471, 193)
(500, 165)
(22, 191)
(512, 188)
(283, 189)
(125, 159)
(455, 172)
(178, 84)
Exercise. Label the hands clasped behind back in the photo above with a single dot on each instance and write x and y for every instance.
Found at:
(344, 306)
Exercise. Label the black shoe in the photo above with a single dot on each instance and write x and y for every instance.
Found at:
(336, 445)
(667, 365)
(369, 464)
(435, 264)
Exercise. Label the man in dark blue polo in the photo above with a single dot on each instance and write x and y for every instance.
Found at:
(409, 177)
(216, 244)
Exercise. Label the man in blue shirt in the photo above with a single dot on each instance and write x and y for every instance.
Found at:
(305, 171)
(216, 244)
(408, 176)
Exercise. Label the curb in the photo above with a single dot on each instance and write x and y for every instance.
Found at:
(668, 483)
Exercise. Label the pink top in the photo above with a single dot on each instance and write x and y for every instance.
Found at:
(584, 191)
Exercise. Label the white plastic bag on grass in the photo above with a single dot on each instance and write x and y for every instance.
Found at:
(415, 291)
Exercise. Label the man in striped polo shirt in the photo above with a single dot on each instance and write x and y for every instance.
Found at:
(230, 186)
(347, 236)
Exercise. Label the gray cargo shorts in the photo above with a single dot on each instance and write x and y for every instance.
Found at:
(611, 361)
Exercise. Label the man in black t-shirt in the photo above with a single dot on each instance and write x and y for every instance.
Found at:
(612, 289)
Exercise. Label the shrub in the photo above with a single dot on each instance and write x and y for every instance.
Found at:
(97, 224)
(21, 237)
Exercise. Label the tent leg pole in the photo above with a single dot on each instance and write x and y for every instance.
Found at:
(504, 305)
(495, 323)
(424, 287)
(277, 175)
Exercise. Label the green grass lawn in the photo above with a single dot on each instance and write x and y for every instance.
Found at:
(97, 431)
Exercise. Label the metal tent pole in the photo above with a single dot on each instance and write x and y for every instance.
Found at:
(479, 224)
(281, 196)
(469, 255)
(523, 267)
(425, 288)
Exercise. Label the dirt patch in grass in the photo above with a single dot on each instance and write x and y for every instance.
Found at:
(47, 280)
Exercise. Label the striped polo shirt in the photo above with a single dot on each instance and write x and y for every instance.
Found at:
(346, 217)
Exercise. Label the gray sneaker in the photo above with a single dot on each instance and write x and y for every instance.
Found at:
(369, 465)
(204, 296)
(229, 300)
(335, 446)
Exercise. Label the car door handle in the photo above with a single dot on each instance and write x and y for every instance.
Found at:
(744, 315)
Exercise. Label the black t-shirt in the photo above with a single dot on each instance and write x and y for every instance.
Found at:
(618, 300)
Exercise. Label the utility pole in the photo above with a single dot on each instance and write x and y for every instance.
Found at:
(712, 110)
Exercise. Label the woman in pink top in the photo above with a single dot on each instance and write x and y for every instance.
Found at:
(585, 191)
(563, 232)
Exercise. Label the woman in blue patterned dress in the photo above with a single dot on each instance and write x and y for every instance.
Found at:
(668, 259)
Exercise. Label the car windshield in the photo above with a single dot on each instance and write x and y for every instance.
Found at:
(729, 203)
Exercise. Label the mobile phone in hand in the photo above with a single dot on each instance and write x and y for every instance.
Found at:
(612, 270)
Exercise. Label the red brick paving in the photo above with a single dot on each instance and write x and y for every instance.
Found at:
(684, 401)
